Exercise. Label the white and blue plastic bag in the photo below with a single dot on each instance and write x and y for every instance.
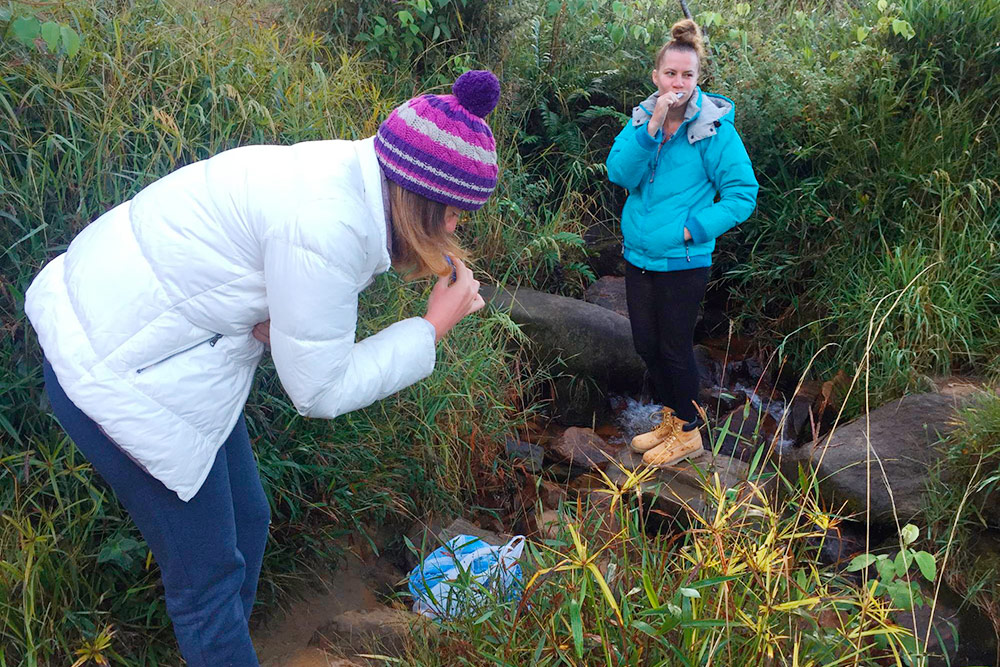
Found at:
(466, 574)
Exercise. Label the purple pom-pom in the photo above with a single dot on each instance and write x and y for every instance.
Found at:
(478, 91)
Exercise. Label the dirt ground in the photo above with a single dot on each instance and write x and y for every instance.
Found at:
(283, 641)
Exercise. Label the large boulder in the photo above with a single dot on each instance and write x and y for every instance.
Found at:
(593, 344)
(903, 436)
(608, 292)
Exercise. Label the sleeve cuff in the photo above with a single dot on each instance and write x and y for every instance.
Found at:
(645, 141)
(698, 233)
(429, 327)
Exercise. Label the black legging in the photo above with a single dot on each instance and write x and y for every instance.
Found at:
(663, 310)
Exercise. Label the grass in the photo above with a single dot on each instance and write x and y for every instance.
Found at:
(880, 177)
(155, 86)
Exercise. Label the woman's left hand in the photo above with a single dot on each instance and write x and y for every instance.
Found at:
(262, 332)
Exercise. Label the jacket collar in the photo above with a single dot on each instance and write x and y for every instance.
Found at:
(371, 178)
(703, 115)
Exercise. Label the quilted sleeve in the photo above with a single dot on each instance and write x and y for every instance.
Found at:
(312, 294)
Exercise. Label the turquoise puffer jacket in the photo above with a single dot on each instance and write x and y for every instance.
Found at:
(675, 185)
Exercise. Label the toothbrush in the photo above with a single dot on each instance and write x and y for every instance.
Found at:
(454, 271)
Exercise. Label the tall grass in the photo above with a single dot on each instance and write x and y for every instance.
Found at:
(878, 162)
(157, 85)
(736, 582)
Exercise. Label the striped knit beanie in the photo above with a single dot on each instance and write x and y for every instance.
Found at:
(440, 147)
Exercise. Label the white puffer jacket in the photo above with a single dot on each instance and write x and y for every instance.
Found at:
(147, 317)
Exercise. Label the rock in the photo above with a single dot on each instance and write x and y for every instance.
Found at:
(800, 415)
(525, 452)
(719, 401)
(670, 490)
(463, 527)
(551, 494)
(903, 435)
(604, 255)
(709, 370)
(745, 434)
(582, 447)
(549, 524)
(593, 344)
(427, 536)
(598, 508)
(841, 543)
(712, 321)
(562, 473)
(608, 292)
(382, 630)
(971, 587)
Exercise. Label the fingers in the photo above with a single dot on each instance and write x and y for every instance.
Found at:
(477, 303)
(262, 332)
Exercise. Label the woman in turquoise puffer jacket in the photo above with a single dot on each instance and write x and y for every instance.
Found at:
(689, 180)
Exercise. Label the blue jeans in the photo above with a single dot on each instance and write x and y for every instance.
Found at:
(209, 549)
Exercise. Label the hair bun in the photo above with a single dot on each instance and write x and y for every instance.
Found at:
(686, 31)
(478, 91)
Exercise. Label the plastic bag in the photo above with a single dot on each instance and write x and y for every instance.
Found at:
(463, 576)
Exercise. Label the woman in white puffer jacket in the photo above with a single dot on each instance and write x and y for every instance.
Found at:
(154, 319)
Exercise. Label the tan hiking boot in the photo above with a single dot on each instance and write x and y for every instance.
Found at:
(668, 424)
(679, 446)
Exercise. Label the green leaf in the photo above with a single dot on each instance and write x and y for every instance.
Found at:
(910, 533)
(4, 14)
(886, 569)
(882, 5)
(644, 628)
(903, 561)
(706, 623)
(714, 580)
(690, 592)
(25, 29)
(861, 33)
(70, 40)
(576, 623)
(927, 564)
(860, 562)
(404, 17)
(485, 617)
(50, 35)
(901, 27)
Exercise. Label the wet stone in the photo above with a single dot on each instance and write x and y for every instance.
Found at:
(581, 447)
(551, 494)
(670, 490)
(525, 452)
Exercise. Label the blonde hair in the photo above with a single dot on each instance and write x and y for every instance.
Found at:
(419, 238)
(685, 36)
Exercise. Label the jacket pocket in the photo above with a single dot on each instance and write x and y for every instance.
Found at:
(187, 348)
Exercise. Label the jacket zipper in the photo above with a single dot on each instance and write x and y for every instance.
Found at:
(656, 160)
(211, 342)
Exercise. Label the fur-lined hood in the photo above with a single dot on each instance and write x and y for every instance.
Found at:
(706, 112)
